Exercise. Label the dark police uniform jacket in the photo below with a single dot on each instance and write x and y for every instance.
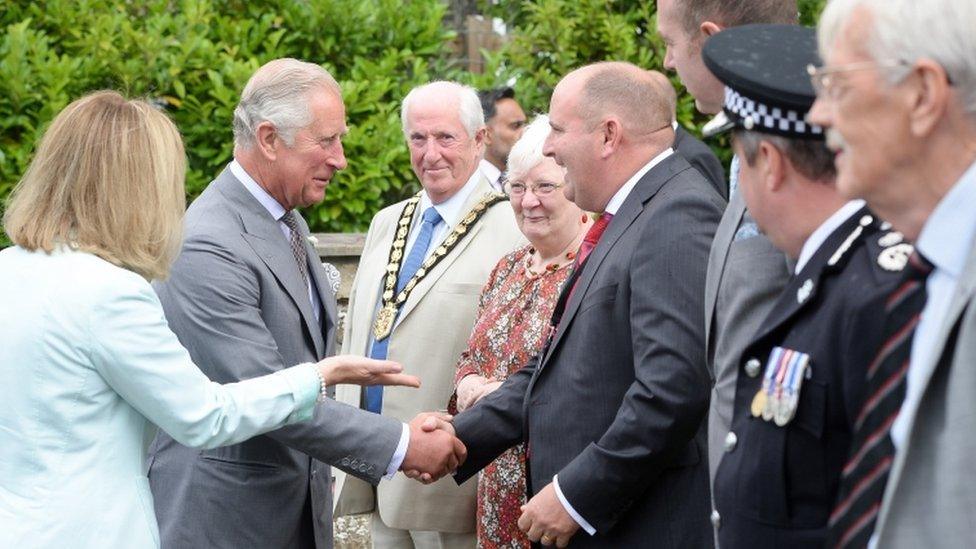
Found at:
(776, 485)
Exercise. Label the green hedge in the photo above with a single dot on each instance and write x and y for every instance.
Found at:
(194, 56)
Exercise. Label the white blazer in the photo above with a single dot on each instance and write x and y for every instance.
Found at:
(87, 365)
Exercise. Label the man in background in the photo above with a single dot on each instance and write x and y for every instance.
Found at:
(505, 121)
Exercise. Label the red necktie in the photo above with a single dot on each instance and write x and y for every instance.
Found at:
(592, 237)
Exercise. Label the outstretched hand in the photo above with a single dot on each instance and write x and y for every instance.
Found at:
(358, 370)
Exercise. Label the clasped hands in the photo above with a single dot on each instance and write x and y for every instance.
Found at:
(543, 519)
(433, 450)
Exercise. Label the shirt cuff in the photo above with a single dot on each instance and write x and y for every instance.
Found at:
(569, 508)
(399, 454)
(305, 385)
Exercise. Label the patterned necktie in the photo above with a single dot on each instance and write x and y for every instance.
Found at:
(297, 244)
(872, 452)
(418, 252)
(592, 237)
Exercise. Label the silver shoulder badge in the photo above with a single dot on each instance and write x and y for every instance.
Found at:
(894, 258)
(890, 239)
(803, 293)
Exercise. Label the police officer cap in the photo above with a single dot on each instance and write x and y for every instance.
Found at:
(767, 87)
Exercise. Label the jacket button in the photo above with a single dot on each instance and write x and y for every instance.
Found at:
(716, 519)
(730, 441)
(345, 462)
(752, 367)
(362, 467)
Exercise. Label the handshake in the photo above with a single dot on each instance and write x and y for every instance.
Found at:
(433, 450)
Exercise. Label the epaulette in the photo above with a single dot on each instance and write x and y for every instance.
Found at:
(865, 221)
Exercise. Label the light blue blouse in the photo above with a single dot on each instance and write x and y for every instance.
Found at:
(88, 369)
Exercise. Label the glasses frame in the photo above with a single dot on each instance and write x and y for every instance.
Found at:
(534, 188)
(823, 86)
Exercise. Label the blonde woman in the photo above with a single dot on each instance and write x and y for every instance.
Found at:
(88, 364)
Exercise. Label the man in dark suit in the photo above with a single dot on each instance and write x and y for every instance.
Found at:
(612, 409)
(247, 296)
(804, 374)
(697, 153)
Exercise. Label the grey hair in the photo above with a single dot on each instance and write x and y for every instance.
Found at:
(527, 151)
(908, 30)
(469, 106)
(278, 93)
(810, 157)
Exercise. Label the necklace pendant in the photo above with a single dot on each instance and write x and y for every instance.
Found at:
(384, 322)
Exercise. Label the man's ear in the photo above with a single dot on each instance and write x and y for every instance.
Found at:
(709, 28)
(772, 166)
(268, 140)
(929, 97)
(611, 131)
(486, 135)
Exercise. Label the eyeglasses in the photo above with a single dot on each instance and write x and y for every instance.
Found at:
(543, 188)
(822, 77)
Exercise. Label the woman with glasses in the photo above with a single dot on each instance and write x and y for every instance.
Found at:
(516, 305)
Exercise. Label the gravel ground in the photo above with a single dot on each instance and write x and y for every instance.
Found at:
(352, 532)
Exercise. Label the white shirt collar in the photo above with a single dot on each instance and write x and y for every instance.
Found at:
(819, 236)
(618, 199)
(491, 173)
(452, 209)
(947, 236)
(274, 208)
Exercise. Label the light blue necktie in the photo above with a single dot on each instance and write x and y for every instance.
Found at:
(374, 393)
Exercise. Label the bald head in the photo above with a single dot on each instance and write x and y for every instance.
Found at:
(623, 90)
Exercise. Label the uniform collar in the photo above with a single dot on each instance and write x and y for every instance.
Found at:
(819, 236)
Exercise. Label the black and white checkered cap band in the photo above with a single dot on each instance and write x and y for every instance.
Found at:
(761, 117)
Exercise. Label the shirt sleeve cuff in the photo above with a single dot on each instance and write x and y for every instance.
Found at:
(569, 508)
(305, 385)
(399, 454)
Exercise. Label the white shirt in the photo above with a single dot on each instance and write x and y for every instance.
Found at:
(492, 174)
(451, 211)
(819, 236)
(945, 240)
(612, 206)
(277, 211)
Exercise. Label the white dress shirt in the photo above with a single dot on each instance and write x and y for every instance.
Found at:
(945, 240)
(492, 174)
(277, 211)
(612, 206)
(819, 236)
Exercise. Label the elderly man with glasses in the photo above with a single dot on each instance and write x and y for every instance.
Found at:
(897, 93)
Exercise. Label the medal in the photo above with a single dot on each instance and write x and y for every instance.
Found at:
(384, 321)
(758, 403)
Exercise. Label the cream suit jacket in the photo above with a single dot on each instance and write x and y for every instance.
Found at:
(431, 332)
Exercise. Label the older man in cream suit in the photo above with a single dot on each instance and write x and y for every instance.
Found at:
(904, 125)
(415, 299)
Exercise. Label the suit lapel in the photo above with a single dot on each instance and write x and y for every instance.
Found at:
(632, 207)
(264, 236)
(719, 255)
(427, 283)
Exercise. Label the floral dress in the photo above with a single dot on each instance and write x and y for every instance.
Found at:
(515, 310)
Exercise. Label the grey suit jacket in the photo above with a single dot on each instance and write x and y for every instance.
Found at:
(745, 276)
(616, 404)
(930, 499)
(701, 157)
(237, 302)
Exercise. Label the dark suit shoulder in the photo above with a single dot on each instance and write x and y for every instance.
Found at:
(701, 157)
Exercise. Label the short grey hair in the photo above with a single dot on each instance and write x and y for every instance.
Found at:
(810, 157)
(908, 30)
(278, 93)
(527, 151)
(469, 106)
